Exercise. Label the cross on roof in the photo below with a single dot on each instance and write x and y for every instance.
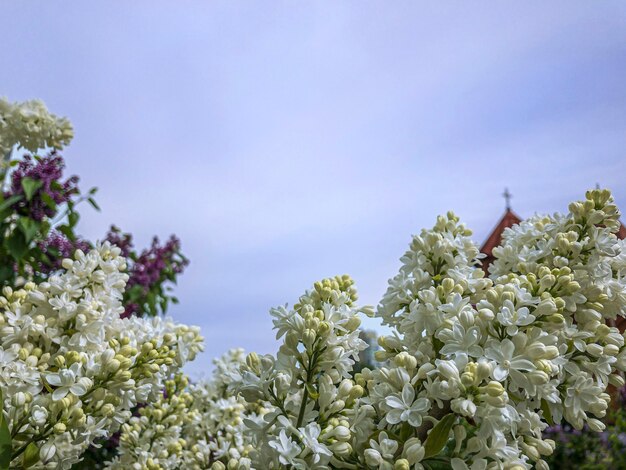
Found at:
(507, 197)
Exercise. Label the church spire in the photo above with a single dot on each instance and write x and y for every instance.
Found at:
(507, 198)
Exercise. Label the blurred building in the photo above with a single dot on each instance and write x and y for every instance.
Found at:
(366, 357)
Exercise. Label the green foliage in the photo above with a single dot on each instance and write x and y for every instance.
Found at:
(589, 450)
(438, 437)
(5, 439)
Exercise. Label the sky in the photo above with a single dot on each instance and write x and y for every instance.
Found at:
(285, 142)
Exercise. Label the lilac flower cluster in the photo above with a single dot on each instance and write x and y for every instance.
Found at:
(124, 241)
(149, 266)
(48, 171)
(148, 270)
(57, 247)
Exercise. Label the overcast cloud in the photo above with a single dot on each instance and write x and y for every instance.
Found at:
(289, 141)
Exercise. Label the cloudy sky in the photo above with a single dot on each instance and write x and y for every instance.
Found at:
(288, 141)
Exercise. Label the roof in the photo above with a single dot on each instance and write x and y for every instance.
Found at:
(509, 219)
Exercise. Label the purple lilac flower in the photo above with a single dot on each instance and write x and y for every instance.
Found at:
(48, 171)
(124, 241)
(57, 247)
(149, 266)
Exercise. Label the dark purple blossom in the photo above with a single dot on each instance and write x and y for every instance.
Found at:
(148, 270)
(124, 241)
(57, 247)
(48, 171)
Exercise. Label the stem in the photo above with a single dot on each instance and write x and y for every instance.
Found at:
(309, 373)
(305, 397)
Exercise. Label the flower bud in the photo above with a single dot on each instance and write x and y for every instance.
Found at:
(19, 399)
(402, 464)
(341, 449)
(373, 457)
(413, 450)
(59, 428)
(494, 389)
(595, 350)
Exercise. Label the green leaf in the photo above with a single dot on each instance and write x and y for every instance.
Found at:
(67, 231)
(29, 228)
(31, 455)
(72, 218)
(547, 414)
(48, 201)
(9, 202)
(5, 443)
(438, 437)
(436, 464)
(30, 187)
(93, 203)
(314, 394)
(6, 273)
(16, 244)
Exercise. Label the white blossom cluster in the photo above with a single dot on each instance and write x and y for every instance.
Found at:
(70, 368)
(31, 126)
(306, 392)
(475, 369)
(191, 426)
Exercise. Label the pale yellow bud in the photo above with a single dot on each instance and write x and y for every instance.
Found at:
(59, 428)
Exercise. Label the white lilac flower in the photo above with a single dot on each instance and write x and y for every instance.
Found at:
(404, 408)
(80, 368)
(507, 363)
(532, 340)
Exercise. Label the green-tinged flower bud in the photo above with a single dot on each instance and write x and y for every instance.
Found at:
(342, 433)
(413, 450)
(483, 370)
(22, 354)
(493, 389)
(336, 406)
(486, 314)
(291, 339)
(353, 323)
(380, 355)
(341, 449)
(373, 457)
(324, 328)
(595, 425)
(122, 375)
(467, 379)
(611, 350)
(112, 366)
(218, 466)
(356, 392)
(541, 465)
(402, 464)
(19, 399)
(531, 451)
(72, 357)
(107, 410)
(616, 380)
(308, 337)
(536, 350)
(59, 428)
(538, 377)
(595, 350)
